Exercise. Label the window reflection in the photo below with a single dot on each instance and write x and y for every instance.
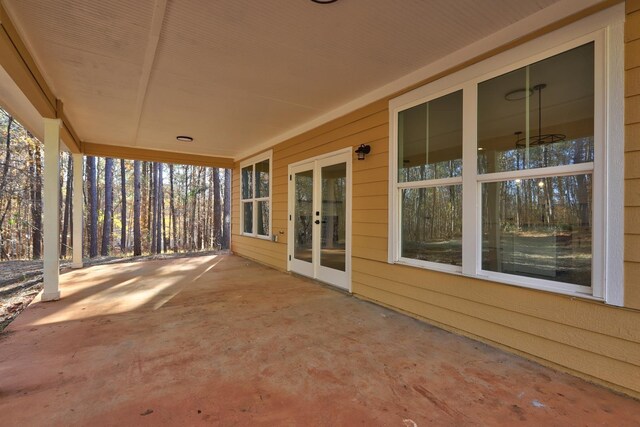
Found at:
(262, 179)
(539, 228)
(430, 140)
(247, 182)
(538, 116)
(432, 224)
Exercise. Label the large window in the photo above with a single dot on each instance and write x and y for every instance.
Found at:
(255, 190)
(535, 165)
(503, 175)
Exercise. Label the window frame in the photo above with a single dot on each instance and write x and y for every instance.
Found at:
(607, 231)
(267, 155)
(428, 183)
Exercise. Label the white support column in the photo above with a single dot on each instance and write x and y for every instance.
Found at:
(51, 213)
(77, 210)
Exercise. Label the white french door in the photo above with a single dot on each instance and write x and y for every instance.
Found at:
(319, 240)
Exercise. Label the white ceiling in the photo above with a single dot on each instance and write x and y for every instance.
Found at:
(236, 73)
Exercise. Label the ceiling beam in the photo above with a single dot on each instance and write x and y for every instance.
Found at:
(159, 11)
(21, 53)
(20, 73)
(133, 153)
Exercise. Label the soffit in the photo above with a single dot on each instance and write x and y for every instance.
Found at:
(235, 73)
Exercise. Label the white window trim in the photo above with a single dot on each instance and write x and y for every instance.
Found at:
(608, 232)
(267, 155)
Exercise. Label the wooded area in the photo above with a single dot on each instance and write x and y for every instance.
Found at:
(130, 207)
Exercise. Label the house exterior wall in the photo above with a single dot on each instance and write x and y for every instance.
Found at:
(587, 338)
(632, 155)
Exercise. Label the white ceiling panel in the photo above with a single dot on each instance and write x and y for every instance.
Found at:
(236, 73)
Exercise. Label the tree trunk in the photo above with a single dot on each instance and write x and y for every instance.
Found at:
(3, 189)
(123, 208)
(152, 206)
(226, 231)
(144, 209)
(194, 208)
(7, 159)
(172, 208)
(186, 241)
(217, 209)
(36, 205)
(108, 207)
(93, 206)
(137, 239)
(165, 242)
(159, 197)
(66, 216)
(3, 252)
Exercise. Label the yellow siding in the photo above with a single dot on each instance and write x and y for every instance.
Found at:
(587, 338)
(632, 156)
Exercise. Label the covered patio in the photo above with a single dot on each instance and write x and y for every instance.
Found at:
(223, 340)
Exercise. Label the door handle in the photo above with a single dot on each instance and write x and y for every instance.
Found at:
(317, 221)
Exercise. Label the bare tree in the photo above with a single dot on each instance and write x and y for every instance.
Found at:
(66, 216)
(108, 207)
(36, 202)
(144, 202)
(159, 209)
(172, 208)
(186, 240)
(137, 240)
(217, 209)
(3, 185)
(93, 206)
(226, 231)
(123, 207)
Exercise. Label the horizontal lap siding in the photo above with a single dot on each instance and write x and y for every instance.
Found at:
(368, 125)
(632, 156)
(591, 339)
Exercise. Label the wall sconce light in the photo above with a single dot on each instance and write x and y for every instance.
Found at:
(362, 151)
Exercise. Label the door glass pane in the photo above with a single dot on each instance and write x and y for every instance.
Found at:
(262, 179)
(430, 139)
(334, 216)
(539, 228)
(432, 224)
(247, 208)
(538, 116)
(247, 182)
(263, 218)
(303, 216)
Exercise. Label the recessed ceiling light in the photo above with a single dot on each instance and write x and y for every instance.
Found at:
(324, 1)
(184, 138)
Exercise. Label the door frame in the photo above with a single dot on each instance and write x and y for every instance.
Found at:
(344, 155)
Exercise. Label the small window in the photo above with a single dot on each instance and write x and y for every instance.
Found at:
(256, 196)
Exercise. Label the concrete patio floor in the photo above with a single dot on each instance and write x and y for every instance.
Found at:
(225, 341)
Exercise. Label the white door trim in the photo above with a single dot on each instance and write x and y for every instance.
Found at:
(330, 276)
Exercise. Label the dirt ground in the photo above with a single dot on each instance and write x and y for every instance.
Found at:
(21, 280)
(224, 341)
